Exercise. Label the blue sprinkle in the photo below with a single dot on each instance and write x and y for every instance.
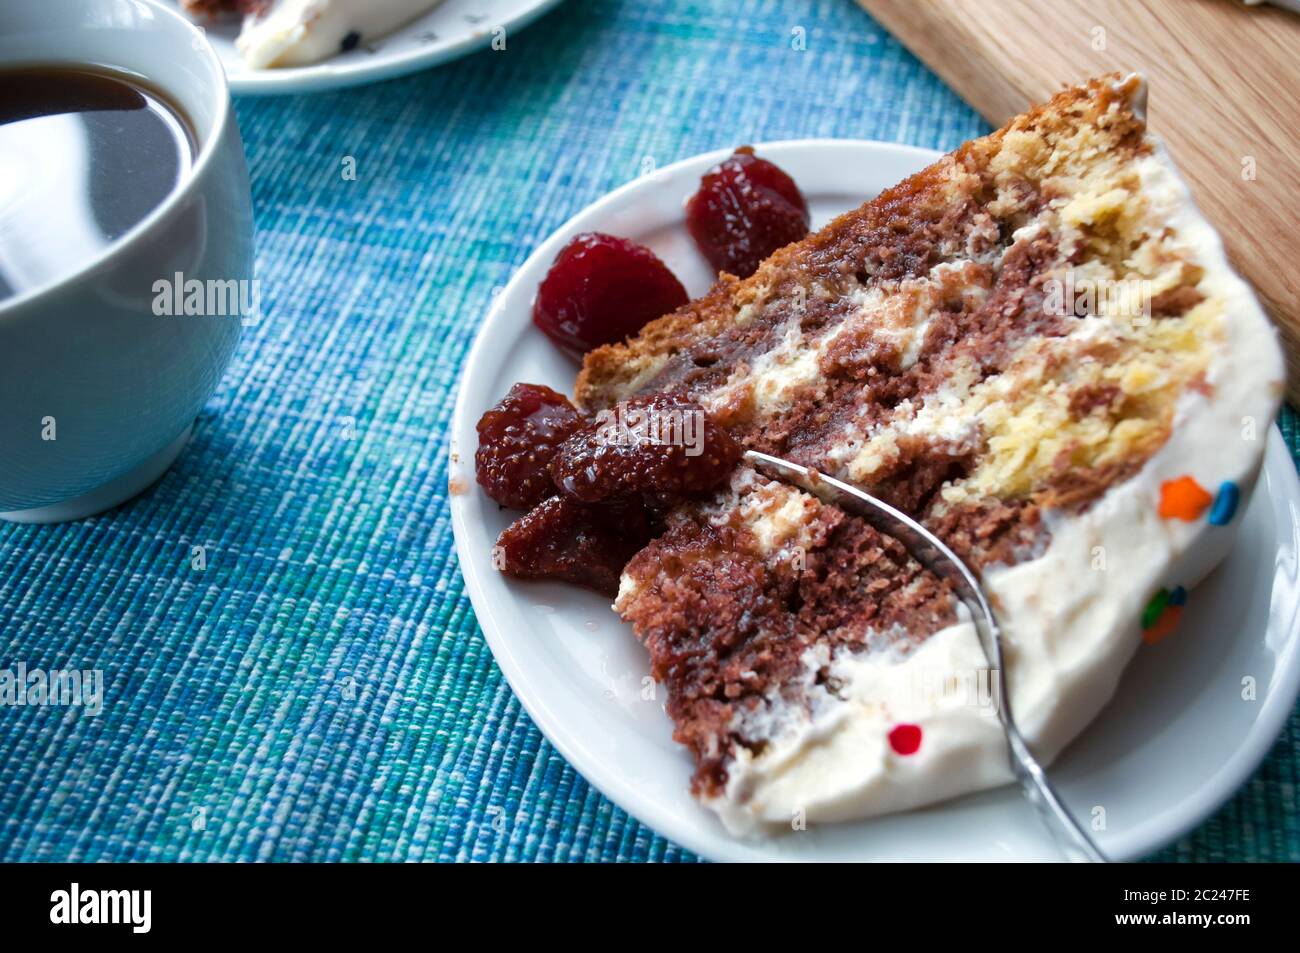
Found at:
(1178, 597)
(1225, 504)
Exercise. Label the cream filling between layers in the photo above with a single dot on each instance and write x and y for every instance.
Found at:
(898, 320)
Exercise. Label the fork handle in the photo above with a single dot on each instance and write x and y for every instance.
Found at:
(1073, 840)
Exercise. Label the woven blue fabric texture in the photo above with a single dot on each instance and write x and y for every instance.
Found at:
(292, 668)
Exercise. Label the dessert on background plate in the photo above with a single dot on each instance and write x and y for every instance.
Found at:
(279, 33)
(1037, 348)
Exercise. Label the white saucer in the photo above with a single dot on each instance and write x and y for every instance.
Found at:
(1177, 741)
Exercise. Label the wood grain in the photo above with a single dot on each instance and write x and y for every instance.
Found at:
(1224, 96)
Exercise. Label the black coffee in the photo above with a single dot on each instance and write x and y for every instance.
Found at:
(84, 155)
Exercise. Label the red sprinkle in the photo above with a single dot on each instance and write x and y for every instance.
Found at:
(905, 739)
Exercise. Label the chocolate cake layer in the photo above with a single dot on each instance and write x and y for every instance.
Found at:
(736, 594)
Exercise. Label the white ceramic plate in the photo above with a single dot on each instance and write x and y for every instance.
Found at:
(448, 31)
(1177, 741)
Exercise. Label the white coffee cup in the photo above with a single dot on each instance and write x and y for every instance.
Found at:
(99, 385)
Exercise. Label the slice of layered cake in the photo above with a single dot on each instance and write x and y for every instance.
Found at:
(1037, 347)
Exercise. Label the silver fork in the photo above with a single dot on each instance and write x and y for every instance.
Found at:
(930, 551)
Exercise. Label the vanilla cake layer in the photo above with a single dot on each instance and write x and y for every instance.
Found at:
(1037, 347)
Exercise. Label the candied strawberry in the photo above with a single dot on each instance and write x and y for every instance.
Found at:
(516, 440)
(745, 209)
(602, 289)
(576, 542)
(661, 444)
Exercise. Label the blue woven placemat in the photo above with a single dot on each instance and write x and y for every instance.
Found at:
(320, 690)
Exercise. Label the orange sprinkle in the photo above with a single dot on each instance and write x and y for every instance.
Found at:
(1183, 499)
(1166, 624)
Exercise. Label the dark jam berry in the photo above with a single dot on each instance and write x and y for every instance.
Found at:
(573, 542)
(656, 445)
(516, 440)
(601, 290)
(746, 208)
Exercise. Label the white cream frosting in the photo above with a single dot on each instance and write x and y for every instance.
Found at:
(1070, 616)
(299, 32)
